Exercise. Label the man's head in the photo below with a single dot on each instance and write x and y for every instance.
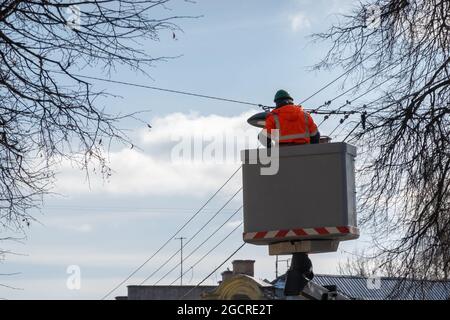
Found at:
(282, 98)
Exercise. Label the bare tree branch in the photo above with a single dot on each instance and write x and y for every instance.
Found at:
(404, 173)
(46, 112)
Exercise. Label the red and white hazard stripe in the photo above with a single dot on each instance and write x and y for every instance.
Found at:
(306, 232)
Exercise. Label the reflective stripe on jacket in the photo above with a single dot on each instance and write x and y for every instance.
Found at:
(294, 124)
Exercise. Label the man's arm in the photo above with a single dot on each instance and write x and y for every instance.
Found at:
(264, 139)
(315, 134)
(264, 135)
(315, 138)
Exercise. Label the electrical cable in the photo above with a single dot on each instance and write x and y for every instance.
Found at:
(209, 275)
(187, 93)
(348, 135)
(354, 87)
(199, 246)
(193, 237)
(209, 252)
(340, 76)
(170, 239)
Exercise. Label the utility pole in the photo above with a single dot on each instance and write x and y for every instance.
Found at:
(276, 267)
(181, 251)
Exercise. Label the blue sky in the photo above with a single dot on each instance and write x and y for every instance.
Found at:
(237, 49)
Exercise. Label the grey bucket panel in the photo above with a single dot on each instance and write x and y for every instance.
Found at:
(314, 188)
(304, 150)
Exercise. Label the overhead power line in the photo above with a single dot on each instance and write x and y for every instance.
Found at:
(194, 94)
(210, 250)
(360, 96)
(363, 112)
(351, 89)
(172, 237)
(187, 93)
(340, 76)
(209, 97)
(336, 112)
(193, 237)
(346, 113)
(339, 124)
(353, 130)
(204, 96)
(219, 266)
(198, 246)
(338, 133)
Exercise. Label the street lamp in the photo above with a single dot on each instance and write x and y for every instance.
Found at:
(258, 120)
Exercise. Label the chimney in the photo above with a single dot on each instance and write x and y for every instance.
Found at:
(226, 274)
(246, 267)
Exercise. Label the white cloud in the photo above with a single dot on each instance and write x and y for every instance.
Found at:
(299, 22)
(83, 228)
(233, 224)
(149, 169)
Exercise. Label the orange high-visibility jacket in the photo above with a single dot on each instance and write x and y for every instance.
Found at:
(295, 125)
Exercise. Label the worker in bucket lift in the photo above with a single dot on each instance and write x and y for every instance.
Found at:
(295, 125)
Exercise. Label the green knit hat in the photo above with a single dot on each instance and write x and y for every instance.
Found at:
(282, 95)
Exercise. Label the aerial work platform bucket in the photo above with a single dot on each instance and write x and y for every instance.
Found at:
(310, 199)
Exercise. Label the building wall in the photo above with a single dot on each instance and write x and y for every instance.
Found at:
(167, 292)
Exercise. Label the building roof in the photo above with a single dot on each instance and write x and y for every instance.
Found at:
(383, 288)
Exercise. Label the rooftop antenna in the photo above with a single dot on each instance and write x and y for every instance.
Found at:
(277, 261)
